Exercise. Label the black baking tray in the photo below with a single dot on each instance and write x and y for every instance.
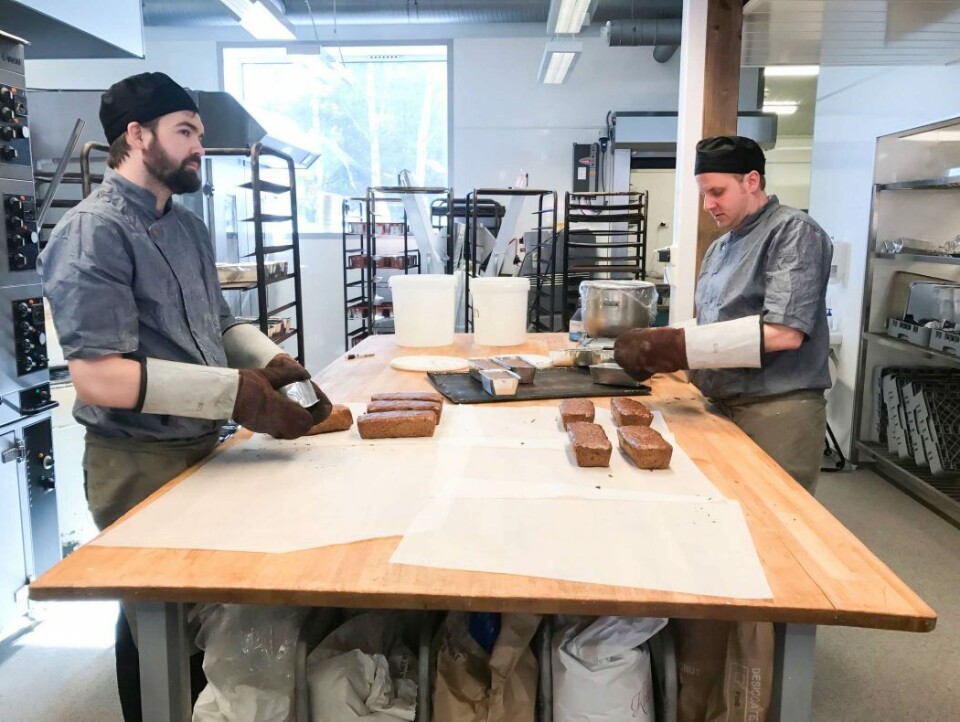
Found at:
(550, 383)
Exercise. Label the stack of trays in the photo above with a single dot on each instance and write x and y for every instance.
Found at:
(920, 416)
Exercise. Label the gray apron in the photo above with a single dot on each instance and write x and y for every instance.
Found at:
(120, 473)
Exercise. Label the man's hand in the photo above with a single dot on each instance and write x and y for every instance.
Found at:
(284, 363)
(646, 351)
(261, 407)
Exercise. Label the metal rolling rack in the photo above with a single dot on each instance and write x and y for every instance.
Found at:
(914, 195)
(542, 253)
(440, 213)
(258, 186)
(619, 251)
(360, 293)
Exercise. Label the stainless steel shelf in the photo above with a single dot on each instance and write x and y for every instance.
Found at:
(890, 342)
(918, 257)
(940, 493)
(943, 183)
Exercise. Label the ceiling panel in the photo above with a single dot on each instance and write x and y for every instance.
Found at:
(851, 32)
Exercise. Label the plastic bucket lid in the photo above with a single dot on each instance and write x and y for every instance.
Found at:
(500, 285)
(422, 280)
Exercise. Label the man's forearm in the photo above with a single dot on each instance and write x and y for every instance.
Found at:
(111, 381)
(777, 337)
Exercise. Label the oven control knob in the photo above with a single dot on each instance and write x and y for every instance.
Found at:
(6, 114)
(46, 482)
(8, 153)
(6, 95)
(18, 261)
(7, 133)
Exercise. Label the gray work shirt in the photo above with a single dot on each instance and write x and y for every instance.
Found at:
(124, 278)
(776, 264)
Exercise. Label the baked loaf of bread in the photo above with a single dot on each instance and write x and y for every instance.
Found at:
(396, 424)
(408, 396)
(629, 412)
(645, 447)
(591, 447)
(340, 419)
(402, 405)
(576, 410)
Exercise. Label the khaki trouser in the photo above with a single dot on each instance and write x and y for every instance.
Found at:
(789, 427)
(120, 473)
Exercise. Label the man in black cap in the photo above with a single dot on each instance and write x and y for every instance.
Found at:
(157, 360)
(758, 347)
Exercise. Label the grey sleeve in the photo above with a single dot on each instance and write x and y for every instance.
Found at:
(227, 321)
(797, 261)
(87, 276)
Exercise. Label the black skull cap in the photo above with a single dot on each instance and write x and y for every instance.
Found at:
(729, 154)
(141, 98)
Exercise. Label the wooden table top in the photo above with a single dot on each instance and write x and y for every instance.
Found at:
(819, 572)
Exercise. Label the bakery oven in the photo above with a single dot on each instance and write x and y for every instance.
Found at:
(29, 531)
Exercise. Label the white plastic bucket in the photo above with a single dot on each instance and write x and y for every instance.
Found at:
(499, 310)
(424, 309)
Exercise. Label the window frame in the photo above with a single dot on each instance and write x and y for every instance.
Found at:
(331, 47)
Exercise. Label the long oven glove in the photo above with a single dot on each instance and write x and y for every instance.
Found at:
(249, 396)
(723, 345)
(247, 347)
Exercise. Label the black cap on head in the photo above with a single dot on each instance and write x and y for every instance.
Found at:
(729, 154)
(141, 98)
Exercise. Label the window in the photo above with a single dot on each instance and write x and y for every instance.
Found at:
(379, 111)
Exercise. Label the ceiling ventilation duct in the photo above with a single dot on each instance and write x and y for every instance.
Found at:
(662, 33)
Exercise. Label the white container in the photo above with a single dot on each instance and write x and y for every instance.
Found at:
(500, 310)
(424, 309)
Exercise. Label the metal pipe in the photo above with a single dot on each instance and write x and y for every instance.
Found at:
(663, 53)
(663, 33)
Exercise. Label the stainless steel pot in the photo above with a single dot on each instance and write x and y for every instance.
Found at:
(611, 308)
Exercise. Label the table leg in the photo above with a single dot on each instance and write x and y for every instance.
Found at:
(792, 699)
(164, 663)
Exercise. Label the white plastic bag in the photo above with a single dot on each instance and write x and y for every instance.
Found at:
(364, 670)
(250, 662)
(601, 670)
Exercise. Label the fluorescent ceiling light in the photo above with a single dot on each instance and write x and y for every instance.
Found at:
(261, 19)
(567, 17)
(786, 108)
(558, 60)
(791, 71)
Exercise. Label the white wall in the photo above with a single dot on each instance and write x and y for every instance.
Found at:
(854, 107)
(504, 120)
(788, 170)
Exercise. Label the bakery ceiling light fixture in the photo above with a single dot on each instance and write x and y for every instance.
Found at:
(261, 19)
(791, 71)
(787, 107)
(559, 58)
(566, 17)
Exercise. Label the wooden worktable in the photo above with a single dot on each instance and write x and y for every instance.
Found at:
(818, 571)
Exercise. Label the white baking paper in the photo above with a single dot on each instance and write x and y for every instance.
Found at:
(672, 545)
(273, 496)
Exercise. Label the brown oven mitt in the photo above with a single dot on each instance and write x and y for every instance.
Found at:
(260, 407)
(286, 363)
(642, 352)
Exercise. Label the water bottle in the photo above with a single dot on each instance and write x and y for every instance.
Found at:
(576, 325)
